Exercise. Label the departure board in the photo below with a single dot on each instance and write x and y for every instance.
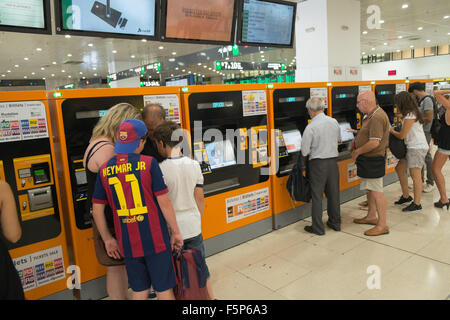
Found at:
(22, 13)
(266, 22)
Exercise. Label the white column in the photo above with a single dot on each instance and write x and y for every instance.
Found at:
(328, 41)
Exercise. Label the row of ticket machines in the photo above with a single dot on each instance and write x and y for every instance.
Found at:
(246, 138)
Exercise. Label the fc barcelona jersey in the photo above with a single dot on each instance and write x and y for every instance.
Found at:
(130, 183)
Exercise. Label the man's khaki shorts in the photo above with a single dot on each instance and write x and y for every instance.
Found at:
(372, 184)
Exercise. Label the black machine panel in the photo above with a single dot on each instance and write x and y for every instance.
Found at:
(80, 117)
(345, 111)
(291, 118)
(385, 94)
(42, 228)
(224, 143)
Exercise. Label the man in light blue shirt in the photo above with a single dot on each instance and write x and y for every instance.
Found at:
(320, 142)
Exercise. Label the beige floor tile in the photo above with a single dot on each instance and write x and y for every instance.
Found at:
(239, 287)
(403, 240)
(371, 253)
(415, 278)
(241, 256)
(308, 255)
(338, 242)
(217, 269)
(274, 272)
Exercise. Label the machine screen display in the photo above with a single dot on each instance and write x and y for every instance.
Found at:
(385, 93)
(134, 17)
(81, 177)
(267, 22)
(345, 96)
(291, 99)
(90, 114)
(200, 20)
(220, 154)
(345, 134)
(215, 105)
(40, 176)
(28, 13)
(292, 140)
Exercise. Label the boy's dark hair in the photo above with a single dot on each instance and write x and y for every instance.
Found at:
(164, 133)
(419, 86)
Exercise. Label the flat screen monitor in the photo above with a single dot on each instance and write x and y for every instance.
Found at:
(267, 23)
(292, 140)
(207, 21)
(220, 154)
(345, 134)
(25, 16)
(130, 18)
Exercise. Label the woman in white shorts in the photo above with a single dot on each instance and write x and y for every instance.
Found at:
(416, 146)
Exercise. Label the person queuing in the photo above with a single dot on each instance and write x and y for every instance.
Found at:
(426, 107)
(153, 115)
(320, 143)
(184, 179)
(369, 152)
(10, 285)
(100, 150)
(443, 153)
(133, 185)
(417, 148)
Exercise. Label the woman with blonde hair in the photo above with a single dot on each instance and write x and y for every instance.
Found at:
(100, 150)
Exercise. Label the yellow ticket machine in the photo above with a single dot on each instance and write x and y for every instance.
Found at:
(288, 119)
(228, 128)
(28, 165)
(74, 113)
(343, 98)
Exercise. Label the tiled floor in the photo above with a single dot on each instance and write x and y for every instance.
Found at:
(413, 260)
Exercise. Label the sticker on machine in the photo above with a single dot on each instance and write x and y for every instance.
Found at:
(25, 120)
(254, 103)
(246, 205)
(352, 172)
(170, 103)
(400, 87)
(40, 268)
(321, 93)
(364, 88)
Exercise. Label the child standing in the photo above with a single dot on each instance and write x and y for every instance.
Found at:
(133, 186)
(184, 179)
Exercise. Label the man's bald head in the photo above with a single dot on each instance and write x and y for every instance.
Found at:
(153, 115)
(366, 102)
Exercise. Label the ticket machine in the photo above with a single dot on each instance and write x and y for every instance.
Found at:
(228, 128)
(28, 164)
(343, 98)
(74, 115)
(385, 92)
(288, 118)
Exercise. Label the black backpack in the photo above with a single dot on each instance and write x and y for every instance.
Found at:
(298, 185)
(436, 123)
(397, 146)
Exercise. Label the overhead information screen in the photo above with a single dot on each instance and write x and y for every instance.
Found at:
(267, 22)
(22, 13)
(131, 17)
(200, 20)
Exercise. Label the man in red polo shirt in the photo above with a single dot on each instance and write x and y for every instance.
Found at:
(133, 186)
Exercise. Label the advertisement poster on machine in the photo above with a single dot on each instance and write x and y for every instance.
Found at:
(169, 102)
(40, 268)
(22, 121)
(246, 205)
(254, 103)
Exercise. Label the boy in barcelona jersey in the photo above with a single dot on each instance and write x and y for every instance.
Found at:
(133, 185)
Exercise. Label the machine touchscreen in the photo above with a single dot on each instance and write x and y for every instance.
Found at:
(220, 154)
(345, 134)
(293, 140)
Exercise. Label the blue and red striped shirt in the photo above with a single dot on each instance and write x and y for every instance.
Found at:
(130, 183)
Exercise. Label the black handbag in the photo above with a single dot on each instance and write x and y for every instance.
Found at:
(397, 146)
(298, 186)
(371, 167)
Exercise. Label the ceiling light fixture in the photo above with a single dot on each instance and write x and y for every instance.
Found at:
(133, 56)
(364, 32)
(160, 47)
(144, 40)
(446, 17)
(38, 49)
(385, 43)
(114, 51)
(428, 40)
(26, 59)
(174, 53)
(54, 62)
(420, 28)
(16, 65)
(90, 45)
(405, 6)
(400, 37)
(67, 36)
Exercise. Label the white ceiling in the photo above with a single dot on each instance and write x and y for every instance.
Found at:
(95, 59)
